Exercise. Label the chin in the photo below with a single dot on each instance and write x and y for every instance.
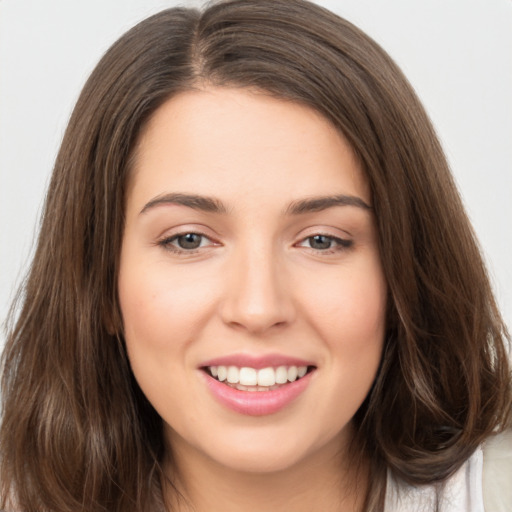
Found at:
(256, 462)
(266, 450)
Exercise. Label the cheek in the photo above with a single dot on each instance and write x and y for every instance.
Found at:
(350, 318)
(160, 306)
(163, 311)
(352, 311)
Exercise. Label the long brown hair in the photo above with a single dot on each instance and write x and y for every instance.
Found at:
(77, 433)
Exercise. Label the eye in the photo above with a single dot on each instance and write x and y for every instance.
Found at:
(185, 242)
(188, 241)
(325, 243)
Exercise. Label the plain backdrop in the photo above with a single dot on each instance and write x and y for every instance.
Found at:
(456, 53)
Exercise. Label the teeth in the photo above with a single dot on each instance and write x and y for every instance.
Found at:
(222, 372)
(281, 375)
(301, 371)
(246, 378)
(266, 377)
(233, 375)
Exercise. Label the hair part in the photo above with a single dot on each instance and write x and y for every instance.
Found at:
(77, 432)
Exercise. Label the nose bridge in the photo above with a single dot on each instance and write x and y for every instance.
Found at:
(256, 295)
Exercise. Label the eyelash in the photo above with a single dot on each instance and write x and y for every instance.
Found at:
(340, 244)
(167, 243)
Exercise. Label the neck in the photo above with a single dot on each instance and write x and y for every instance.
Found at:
(328, 480)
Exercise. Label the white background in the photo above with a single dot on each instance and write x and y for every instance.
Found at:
(456, 53)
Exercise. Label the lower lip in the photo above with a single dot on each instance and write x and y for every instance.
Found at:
(257, 403)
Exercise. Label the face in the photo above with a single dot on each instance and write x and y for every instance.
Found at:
(250, 282)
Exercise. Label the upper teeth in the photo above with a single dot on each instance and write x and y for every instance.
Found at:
(251, 377)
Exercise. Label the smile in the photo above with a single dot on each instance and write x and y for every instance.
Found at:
(257, 386)
(252, 379)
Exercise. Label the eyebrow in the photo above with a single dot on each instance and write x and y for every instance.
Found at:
(212, 205)
(202, 203)
(317, 204)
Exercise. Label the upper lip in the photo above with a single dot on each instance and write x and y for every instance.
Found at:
(256, 361)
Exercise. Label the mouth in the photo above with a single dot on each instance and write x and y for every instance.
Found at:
(250, 379)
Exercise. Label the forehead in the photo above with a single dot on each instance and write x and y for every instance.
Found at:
(224, 141)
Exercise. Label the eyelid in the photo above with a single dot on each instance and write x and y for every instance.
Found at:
(341, 244)
(165, 241)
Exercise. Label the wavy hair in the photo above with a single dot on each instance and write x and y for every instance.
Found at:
(77, 434)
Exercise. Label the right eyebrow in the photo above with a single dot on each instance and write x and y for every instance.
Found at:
(203, 203)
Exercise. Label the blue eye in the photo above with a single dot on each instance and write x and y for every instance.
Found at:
(325, 243)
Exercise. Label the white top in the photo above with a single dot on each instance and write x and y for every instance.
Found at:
(482, 484)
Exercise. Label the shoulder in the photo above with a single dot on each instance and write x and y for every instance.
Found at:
(497, 472)
(482, 484)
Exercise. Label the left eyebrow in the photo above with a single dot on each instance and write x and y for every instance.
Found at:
(317, 204)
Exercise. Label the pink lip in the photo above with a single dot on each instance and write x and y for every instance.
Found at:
(256, 403)
(256, 362)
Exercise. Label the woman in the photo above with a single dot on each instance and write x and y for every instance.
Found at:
(255, 285)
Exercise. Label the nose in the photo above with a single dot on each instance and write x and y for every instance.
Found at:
(257, 294)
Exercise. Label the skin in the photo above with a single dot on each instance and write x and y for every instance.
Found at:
(257, 284)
